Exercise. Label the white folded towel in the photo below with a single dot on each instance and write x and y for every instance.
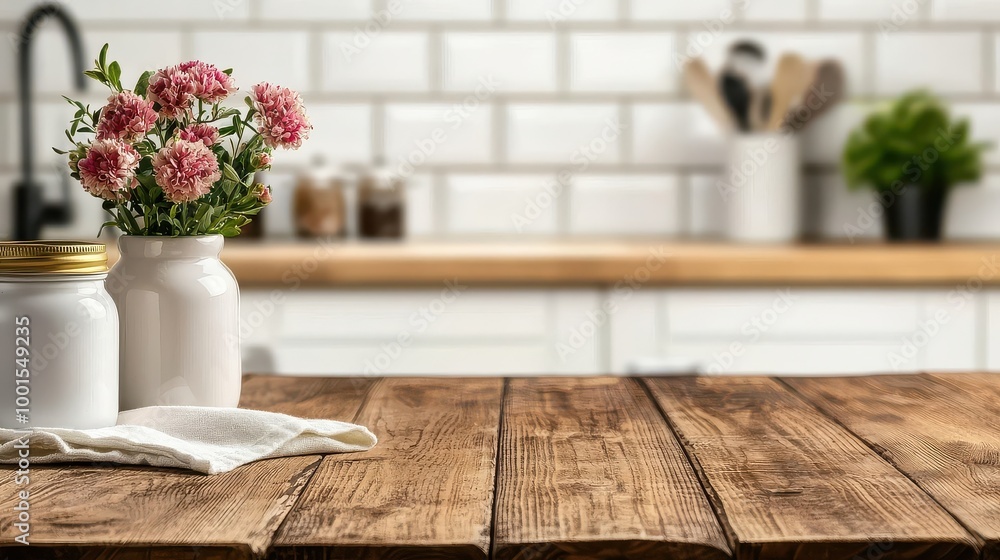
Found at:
(207, 440)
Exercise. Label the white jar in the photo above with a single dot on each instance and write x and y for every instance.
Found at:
(180, 319)
(58, 336)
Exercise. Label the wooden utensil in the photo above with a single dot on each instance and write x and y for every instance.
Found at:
(791, 82)
(825, 91)
(702, 85)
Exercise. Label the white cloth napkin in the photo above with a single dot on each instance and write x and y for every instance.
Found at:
(207, 440)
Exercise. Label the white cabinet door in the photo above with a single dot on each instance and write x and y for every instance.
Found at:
(795, 330)
(448, 330)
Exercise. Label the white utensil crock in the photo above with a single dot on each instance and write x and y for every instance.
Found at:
(760, 188)
(179, 316)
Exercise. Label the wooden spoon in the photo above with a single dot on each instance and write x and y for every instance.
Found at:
(791, 82)
(826, 90)
(702, 85)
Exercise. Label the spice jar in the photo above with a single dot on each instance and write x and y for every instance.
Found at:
(381, 205)
(58, 336)
(320, 206)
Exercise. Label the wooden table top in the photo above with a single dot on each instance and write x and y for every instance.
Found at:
(884, 467)
(605, 263)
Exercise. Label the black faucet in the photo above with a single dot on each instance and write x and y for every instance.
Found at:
(31, 212)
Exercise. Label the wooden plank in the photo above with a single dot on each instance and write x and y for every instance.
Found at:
(789, 482)
(425, 491)
(589, 469)
(942, 431)
(108, 512)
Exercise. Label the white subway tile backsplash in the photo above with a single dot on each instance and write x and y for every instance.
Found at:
(823, 139)
(840, 213)
(312, 10)
(420, 200)
(342, 134)
(971, 212)
(561, 69)
(773, 10)
(722, 10)
(558, 11)
(278, 218)
(256, 56)
(675, 134)
(387, 62)
(130, 48)
(892, 13)
(419, 134)
(503, 204)
(945, 62)
(572, 135)
(706, 207)
(624, 205)
(965, 10)
(622, 62)
(510, 61)
(984, 119)
(443, 10)
(50, 120)
(118, 11)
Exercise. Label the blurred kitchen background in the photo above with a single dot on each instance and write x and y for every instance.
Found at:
(533, 123)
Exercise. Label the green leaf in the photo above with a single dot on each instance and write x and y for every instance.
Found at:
(133, 226)
(102, 59)
(96, 75)
(58, 151)
(110, 223)
(230, 174)
(143, 83)
(115, 74)
(228, 71)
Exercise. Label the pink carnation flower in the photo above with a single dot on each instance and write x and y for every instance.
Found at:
(185, 170)
(201, 132)
(280, 115)
(108, 170)
(127, 117)
(173, 89)
(210, 84)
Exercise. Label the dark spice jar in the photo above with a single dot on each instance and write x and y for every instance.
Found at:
(381, 205)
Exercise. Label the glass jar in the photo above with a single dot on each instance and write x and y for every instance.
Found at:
(59, 336)
(381, 205)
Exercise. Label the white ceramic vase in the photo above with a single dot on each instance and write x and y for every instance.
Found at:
(179, 309)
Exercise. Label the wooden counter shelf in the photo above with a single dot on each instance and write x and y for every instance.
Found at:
(580, 263)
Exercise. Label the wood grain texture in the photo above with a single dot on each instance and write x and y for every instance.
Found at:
(789, 482)
(589, 469)
(606, 263)
(942, 431)
(109, 512)
(425, 491)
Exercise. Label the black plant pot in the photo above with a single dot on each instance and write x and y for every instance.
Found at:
(914, 213)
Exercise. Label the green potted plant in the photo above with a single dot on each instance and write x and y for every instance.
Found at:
(911, 154)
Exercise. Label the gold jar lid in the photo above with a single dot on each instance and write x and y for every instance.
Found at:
(53, 257)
